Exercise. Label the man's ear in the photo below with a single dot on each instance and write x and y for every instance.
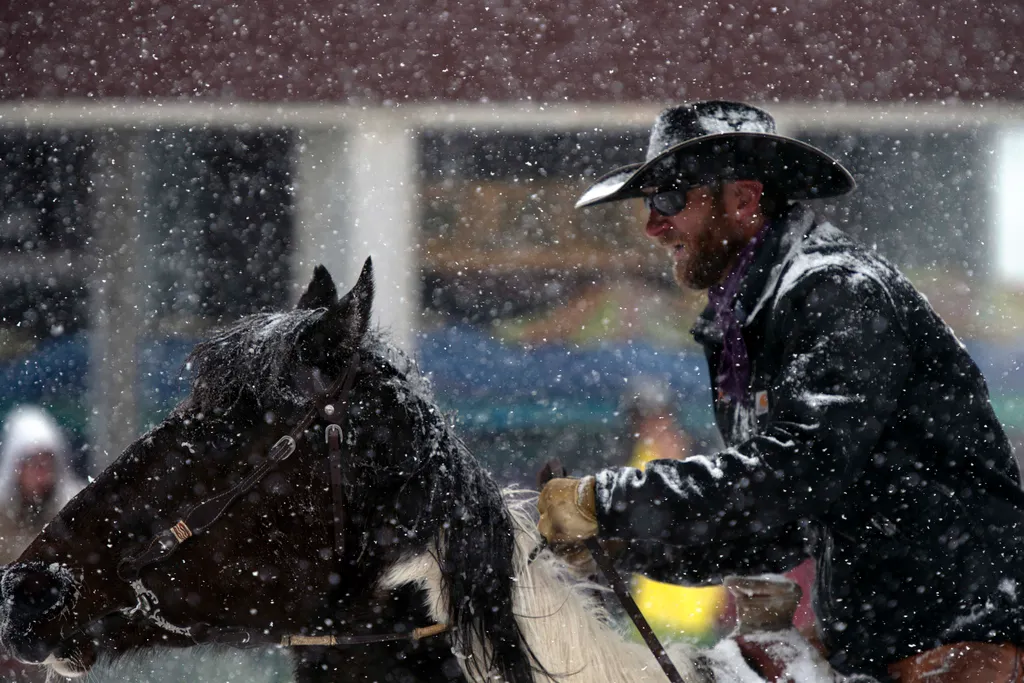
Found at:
(743, 198)
(321, 291)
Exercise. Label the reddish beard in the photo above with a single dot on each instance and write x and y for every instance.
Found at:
(707, 261)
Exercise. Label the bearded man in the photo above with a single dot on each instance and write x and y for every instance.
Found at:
(858, 430)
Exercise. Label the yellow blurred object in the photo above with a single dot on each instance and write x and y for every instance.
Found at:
(645, 451)
(678, 610)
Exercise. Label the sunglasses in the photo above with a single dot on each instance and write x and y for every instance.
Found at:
(667, 203)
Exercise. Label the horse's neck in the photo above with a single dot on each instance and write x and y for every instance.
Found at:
(567, 629)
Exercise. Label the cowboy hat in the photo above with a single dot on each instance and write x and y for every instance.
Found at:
(703, 142)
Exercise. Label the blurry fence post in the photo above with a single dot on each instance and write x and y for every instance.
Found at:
(356, 195)
(117, 177)
(320, 234)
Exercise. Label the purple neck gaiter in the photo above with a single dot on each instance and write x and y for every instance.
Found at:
(734, 364)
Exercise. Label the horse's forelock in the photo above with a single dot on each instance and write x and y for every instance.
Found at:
(250, 359)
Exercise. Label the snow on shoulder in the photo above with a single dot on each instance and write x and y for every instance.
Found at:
(816, 249)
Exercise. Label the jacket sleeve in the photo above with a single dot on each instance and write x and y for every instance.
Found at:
(844, 363)
(773, 554)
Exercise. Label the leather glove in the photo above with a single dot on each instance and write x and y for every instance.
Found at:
(568, 511)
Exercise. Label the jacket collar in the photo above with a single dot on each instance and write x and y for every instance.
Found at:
(788, 231)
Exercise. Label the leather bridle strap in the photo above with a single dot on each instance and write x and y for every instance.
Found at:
(334, 433)
(553, 469)
(239, 637)
(416, 634)
(207, 512)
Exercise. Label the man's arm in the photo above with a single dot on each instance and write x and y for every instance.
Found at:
(710, 564)
(844, 363)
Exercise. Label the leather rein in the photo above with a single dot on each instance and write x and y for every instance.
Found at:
(206, 513)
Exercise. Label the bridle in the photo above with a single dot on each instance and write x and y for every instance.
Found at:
(332, 406)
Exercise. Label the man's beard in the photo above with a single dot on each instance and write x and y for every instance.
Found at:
(708, 262)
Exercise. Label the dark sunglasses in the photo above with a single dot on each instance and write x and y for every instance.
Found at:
(667, 203)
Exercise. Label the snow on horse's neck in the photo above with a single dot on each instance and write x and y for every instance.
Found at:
(568, 631)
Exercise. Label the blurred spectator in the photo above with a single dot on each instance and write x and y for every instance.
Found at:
(35, 477)
(651, 425)
(696, 614)
(35, 483)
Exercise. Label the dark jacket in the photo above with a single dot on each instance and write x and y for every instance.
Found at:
(868, 442)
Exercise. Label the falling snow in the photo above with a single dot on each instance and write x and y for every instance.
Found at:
(167, 171)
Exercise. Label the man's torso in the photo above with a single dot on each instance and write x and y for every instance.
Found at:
(927, 545)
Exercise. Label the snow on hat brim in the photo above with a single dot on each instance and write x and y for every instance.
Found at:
(608, 187)
(788, 166)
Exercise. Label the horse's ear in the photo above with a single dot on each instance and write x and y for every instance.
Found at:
(321, 292)
(352, 313)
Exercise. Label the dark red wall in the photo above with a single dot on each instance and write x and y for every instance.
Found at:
(504, 50)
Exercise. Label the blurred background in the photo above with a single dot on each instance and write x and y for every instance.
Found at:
(167, 166)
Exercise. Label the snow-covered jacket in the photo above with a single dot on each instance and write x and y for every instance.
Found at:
(867, 441)
(27, 430)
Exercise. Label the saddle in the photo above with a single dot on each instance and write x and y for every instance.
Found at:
(764, 631)
(964, 662)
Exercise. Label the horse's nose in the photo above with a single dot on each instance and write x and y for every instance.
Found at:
(32, 591)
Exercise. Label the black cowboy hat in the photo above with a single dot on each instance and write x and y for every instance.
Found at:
(703, 142)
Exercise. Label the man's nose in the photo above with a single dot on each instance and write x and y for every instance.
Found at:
(656, 224)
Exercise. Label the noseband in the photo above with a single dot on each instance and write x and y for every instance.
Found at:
(335, 412)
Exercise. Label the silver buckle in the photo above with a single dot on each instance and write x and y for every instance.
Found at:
(332, 429)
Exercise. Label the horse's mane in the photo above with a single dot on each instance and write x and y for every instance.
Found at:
(462, 511)
(251, 359)
(466, 518)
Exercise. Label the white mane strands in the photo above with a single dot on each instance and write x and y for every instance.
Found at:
(567, 630)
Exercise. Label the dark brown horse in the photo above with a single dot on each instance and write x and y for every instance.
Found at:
(226, 523)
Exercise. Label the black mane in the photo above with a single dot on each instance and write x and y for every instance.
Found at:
(461, 510)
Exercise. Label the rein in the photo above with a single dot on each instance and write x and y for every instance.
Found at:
(553, 468)
(206, 513)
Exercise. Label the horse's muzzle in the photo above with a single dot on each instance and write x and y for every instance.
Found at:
(33, 595)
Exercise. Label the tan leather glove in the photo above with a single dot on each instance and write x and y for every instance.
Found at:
(568, 510)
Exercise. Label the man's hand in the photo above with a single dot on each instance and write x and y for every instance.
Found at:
(568, 511)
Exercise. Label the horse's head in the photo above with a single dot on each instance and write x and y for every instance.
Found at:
(220, 524)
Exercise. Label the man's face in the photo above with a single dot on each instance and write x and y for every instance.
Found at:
(702, 239)
(37, 477)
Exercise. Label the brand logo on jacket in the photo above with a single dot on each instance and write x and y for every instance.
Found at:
(761, 403)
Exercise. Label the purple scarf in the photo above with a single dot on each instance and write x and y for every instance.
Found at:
(734, 364)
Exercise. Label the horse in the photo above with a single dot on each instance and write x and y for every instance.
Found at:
(309, 490)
